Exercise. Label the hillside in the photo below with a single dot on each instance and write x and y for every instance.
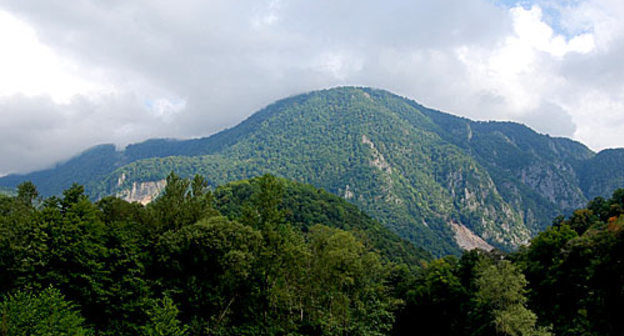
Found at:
(440, 181)
(255, 255)
(304, 206)
(602, 173)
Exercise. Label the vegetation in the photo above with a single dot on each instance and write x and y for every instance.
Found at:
(413, 169)
(601, 173)
(303, 206)
(568, 281)
(268, 256)
(576, 270)
(180, 267)
(7, 191)
(375, 149)
(47, 313)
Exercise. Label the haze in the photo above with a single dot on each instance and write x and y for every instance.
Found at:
(78, 73)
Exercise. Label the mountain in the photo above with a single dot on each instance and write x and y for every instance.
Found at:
(305, 206)
(440, 181)
(602, 173)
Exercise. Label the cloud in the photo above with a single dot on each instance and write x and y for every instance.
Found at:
(140, 69)
(550, 118)
(39, 131)
(30, 67)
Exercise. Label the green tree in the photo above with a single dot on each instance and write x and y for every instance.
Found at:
(206, 267)
(435, 302)
(346, 291)
(27, 193)
(46, 313)
(540, 262)
(163, 320)
(182, 202)
(501, 294)
(263, 213)
(97, 265)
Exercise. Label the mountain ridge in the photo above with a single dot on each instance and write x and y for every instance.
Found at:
(415, 169)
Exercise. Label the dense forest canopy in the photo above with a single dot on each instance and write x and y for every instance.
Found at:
(268, 256)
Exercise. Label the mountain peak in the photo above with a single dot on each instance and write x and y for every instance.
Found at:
(423, 173)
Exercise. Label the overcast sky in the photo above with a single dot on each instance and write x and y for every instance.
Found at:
(74, 74)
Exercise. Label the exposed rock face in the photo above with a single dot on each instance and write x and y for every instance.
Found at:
(143, 192)
(553, 183)
(478, 198)
(348, 194)
(379, 161)
(467, 240)
(121, 180)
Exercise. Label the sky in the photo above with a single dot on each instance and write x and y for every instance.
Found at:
(74, 74)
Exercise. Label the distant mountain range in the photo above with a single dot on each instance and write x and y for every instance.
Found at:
(441, 181)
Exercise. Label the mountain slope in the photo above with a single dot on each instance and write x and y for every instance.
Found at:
(603, 173)
(355, 144)
(536, 173)
(305, 206)
(437, 180)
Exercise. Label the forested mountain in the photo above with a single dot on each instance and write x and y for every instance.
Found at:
(602, 173)
(440, 181)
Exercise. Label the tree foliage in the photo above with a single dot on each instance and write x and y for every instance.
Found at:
(46, 313)
(163, 320)
(253, 272)
(268, 256)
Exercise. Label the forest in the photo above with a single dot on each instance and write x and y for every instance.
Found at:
(412, 168)
(268, 256)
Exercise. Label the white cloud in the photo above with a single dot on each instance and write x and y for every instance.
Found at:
(525, 73)
(40, 131)
(32, 68)
(532, 31)
(166, 109)
(268, 15)
(599, 117)
(133, 70)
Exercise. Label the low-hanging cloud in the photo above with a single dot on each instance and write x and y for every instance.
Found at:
(37, 131)
(190, 68)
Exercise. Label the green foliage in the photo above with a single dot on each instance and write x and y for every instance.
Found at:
(303, 206)
(46, 313)
(434, 300)
(27, 193)
(501, 294)
(411, 168)
(207, 266)
(163, 320)
(183, 202)
(500, 285)
(64, 243)
(479, 294)
(256, 271)
(575, 270)
(346, 286)
(268, 256)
